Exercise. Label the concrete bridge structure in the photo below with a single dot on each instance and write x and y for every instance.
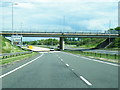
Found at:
(61, 35)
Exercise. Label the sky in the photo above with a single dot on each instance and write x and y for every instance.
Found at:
(58, 15)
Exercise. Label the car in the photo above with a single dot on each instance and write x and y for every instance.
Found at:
(51, 49)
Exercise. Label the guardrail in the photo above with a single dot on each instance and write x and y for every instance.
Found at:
(7, 55)
(98, 55)
(101, 55)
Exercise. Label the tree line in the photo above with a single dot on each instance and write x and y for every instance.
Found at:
(42, 42)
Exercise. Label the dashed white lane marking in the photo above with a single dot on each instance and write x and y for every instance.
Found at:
(72, 69)
(81, 77)
(93, 59)
(86, 81)
(67, 65)
(19, 67)
(62, 60)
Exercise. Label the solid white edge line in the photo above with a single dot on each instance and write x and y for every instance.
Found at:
(19, 67)
(94, 60)
(102, 62)
(86, 81)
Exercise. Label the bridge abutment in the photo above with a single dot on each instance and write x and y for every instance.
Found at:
(61, 43)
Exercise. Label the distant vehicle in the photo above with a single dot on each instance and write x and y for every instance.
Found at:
(51, 49)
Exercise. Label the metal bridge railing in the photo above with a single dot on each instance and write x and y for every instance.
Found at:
(80, 32)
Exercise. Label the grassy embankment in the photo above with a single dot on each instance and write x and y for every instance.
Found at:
(6, 47)
(93, 42)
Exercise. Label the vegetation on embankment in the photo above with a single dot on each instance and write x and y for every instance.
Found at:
(115, 44)
(84, 42)
(92, 43)
(7, 47)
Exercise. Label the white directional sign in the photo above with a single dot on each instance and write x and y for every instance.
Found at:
(16, 40)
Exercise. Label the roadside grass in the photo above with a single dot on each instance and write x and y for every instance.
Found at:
(7, 47)
(16, 58)
(105, 57)
(86, 47)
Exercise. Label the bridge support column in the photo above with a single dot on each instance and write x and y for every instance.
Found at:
(61, 43)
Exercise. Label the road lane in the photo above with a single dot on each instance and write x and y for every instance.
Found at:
(89, 50)
(100, 74)
(46, 72)
(14, 70)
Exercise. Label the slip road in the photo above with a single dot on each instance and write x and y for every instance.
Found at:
(61, 70)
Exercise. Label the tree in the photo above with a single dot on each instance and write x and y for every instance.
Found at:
(111, 29)
(118, 29)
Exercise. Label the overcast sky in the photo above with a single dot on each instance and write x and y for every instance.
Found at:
(59, 15)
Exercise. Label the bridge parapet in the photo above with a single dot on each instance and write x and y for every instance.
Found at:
(80, 32)
(63, 34)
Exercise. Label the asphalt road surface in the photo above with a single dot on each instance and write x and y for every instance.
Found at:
(89, 50)
(60, 70)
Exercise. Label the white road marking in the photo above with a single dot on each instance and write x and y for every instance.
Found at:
(81, 77)
(19, 67)
(101, 61)
(86, 81)
(72, 69)
(67, 65)
(93, 59)
(62, 60)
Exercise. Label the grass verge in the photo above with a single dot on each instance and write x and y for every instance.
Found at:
(16, 58)
(104, 57)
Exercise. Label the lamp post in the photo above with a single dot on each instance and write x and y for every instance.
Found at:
(13, 23)
(119, 14)
(109, 30)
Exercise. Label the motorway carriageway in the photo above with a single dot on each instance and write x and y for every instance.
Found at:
(60, 70)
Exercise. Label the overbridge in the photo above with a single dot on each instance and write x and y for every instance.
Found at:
(62, 35)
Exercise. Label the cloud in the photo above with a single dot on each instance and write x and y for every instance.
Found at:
(79, 14)
(25, 5)
(48, 1)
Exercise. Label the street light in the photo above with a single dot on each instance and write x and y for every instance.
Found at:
(13, 3)
(109, 30)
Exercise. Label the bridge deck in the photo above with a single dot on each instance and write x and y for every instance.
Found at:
(60, 34)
